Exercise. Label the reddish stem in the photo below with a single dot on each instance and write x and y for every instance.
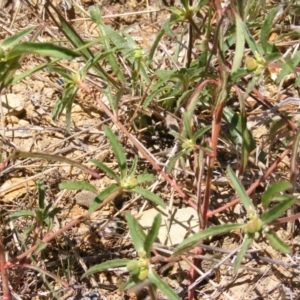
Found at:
(4, 275)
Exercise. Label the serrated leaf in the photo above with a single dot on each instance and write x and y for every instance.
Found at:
(276, 242)
(102, 196)
(106, 169)
(272, 190)
(240, 190)
(193, 241)
(77, 185)
(162, 286)
(118, 151)
(150, 196)
(136, 232)
(247, 241)
(277, 210)
(106, 265)
(152, 234)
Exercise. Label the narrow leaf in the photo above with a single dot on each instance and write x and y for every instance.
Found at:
(194, 240)
(106, 265)
(150, 196)
(11, 41)
(266, 28)
(21, 213)
(41, 190)
(118, 151)
(135, 232)
(162, 286)
(246, 243)
(277, 210)
(240, 190)
(106, 169)
(145, 178)
(41, 245)
(77, 185)
(276, 242)
(152, 234)
(200, 132)
(187, 125)
(272, 190)
(240, 44)
(102, 196)
(44, 49)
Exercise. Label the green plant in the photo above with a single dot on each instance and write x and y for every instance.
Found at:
(256, 224)
(126, 181)
(12, 52)
(43, 216)
(188, 141)
(141, 269)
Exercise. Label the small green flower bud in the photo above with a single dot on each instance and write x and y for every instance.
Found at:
(133, 267)
(251, 63)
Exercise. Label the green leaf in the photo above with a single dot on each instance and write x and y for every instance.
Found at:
(187, 125)
(250, 41)
(65, 101)
(162, 286)
(102, 196)
(118, 151)
(77, 185)
(200, 132)
(136, 232)
(272, 190)
(133, 167)
(240, 43)
(150, 196)
(106, 169)
(41, 190)
(194, 240)
(21, 213)
(246, 243)
(11, 41)
(96, 16)
(240, 190)
(41, 245)
(276, 242)
(267, 27)
(152, 234)
(44, 49)
(173, 160)
(145, 178)
(66, 74)
(106, 265)
(277, 210)
(294, 163)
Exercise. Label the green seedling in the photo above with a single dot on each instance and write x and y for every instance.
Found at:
(256, 224)
(43, 216)
(188, 141)
(126, 181)
(139, 269)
